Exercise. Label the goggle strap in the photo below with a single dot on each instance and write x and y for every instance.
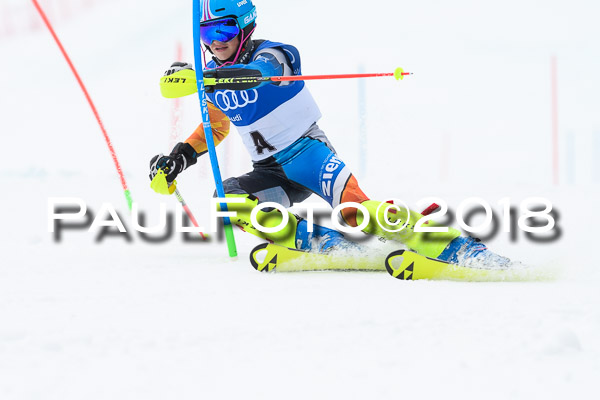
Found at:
(242, 41)
(204, 50)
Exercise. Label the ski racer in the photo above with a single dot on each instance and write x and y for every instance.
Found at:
(292, 157)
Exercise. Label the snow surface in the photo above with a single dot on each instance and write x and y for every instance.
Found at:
(118, 320)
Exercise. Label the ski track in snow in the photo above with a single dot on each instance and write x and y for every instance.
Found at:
(111, 320)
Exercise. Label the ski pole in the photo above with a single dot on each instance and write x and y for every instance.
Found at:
(210, 143)
(188, 211)
(182, 83)
(90, 102)
(399, 74)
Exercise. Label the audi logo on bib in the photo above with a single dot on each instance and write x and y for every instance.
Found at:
(232, 100)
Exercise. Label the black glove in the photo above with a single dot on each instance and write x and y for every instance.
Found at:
(178, 66)
(171, 166)
(182, 156)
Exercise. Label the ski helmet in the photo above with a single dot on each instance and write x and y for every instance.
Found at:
(223, 20)
(242, 10)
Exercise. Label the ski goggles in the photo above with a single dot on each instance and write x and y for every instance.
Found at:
(221, 30)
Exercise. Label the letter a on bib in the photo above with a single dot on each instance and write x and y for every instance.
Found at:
(260, 143)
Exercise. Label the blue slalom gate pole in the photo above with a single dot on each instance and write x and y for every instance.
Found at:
(210, 143)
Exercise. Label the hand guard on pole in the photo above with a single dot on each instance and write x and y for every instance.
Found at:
(164, 169)
(178, 81)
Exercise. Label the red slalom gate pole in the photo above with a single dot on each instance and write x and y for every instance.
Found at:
(175, 117)
(91, 103)
(176, 108)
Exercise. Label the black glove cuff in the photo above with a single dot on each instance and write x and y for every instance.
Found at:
(185, 151)
(231, 73)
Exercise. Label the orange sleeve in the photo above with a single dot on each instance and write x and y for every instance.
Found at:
(220, 126)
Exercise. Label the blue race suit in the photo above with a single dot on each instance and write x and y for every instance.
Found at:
(278, 124)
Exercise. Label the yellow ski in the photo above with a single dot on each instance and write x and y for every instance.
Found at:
(406, 265)
(401, 264)
(271, 257)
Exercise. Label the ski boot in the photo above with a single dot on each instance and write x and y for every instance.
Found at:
(294, 235)
(470, 252)
(322, 239)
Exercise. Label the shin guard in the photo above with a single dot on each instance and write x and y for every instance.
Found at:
(429, 244)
